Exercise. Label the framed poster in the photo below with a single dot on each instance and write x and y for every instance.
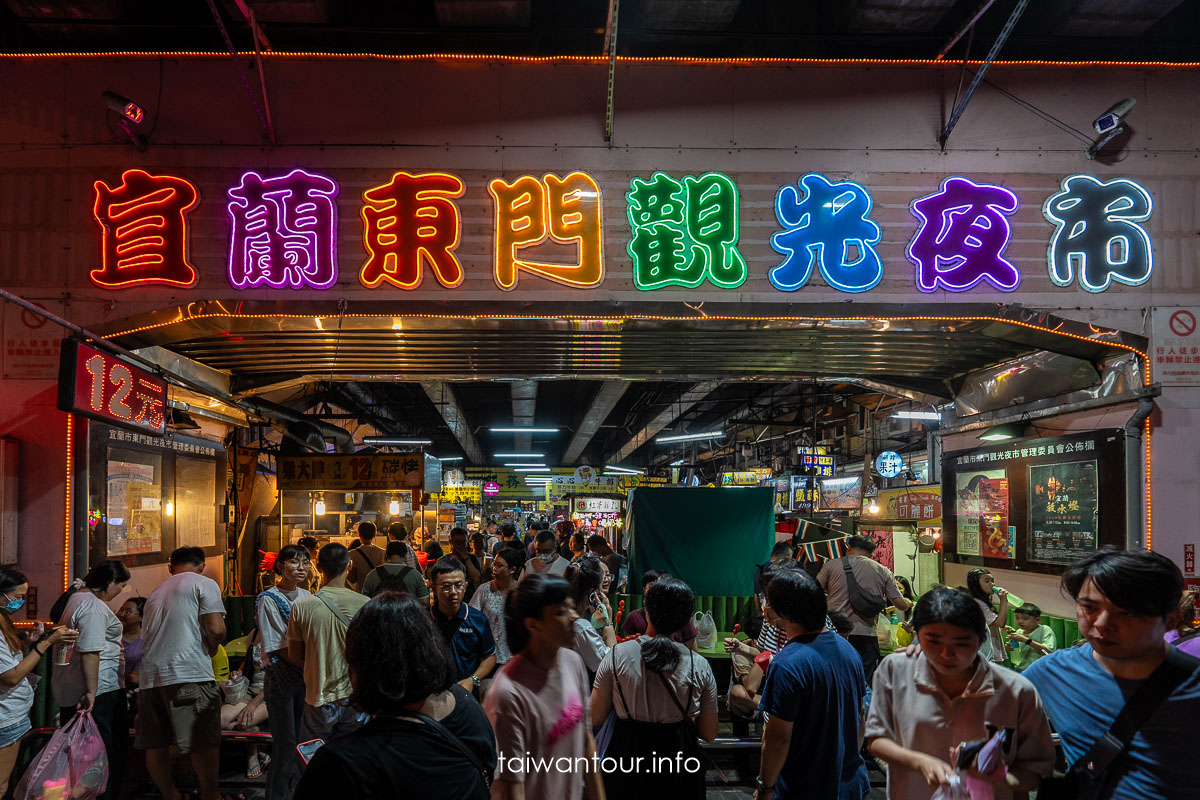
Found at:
(1064, 508)
(981, 512)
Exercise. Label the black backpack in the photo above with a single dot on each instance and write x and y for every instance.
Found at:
(390, 581)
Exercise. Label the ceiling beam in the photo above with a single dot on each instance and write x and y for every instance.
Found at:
(524, 411)
(693, 395)
(442, 396)
(602, 405)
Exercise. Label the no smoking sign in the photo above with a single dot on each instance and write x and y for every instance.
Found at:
(1182, 323)
(1175, 346)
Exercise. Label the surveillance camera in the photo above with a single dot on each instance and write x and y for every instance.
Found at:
(124, 107)
(1112, 118)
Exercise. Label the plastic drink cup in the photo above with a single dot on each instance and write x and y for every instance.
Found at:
(63, 652)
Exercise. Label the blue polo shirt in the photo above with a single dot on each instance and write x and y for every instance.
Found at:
(1082, 700)
(816, 682)
(468, 636)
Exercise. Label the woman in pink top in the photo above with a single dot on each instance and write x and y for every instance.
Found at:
(923, 705)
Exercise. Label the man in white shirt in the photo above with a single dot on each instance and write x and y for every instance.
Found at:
(178, 702)
(546, 560)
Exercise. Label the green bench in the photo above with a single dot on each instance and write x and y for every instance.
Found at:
(1066, 629)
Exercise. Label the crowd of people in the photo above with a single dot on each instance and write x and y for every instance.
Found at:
(495, 670)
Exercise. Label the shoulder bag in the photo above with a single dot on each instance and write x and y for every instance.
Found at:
(335, 608)
(867, 605)
(1087, 778)
(447, 736)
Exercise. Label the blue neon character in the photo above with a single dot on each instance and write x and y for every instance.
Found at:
(822, 227)
(1096, 235)
(964, 232)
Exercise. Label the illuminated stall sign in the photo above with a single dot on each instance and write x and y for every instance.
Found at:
(681, 232)
(805, 494)
(822, 463)
(378, 472)
(598, 505)
(919, 504)
(101, 386)
(470, 494)
(750, 477)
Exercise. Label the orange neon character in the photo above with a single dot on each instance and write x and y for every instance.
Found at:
(564, 210)
(408, 220)
(143, 223)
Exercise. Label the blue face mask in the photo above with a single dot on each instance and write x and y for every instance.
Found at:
(12, 606)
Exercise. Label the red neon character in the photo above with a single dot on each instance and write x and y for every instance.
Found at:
(143, 223)
(408, 220)
(150, 407)
(563, 210)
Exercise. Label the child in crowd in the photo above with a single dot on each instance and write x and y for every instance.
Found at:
(993, 602)
(1031, 640)
(923, 705)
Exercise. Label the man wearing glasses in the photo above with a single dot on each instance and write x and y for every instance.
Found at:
(466, 630)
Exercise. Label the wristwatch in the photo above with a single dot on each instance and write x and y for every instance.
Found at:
(475, 681)
(762, 787)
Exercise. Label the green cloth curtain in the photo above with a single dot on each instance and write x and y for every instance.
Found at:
(710, 538)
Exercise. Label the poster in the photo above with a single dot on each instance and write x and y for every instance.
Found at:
(885, 551)
(129, 486)
(982, 514)
(1063, 511)
(841, 493)
(143, 529)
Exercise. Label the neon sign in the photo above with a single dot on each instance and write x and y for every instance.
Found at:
(684, 233)
(144, 232)
(101, 386)
(964, 232)
(563, 210)
(409, 220)
(827, 223)
(1096, 235)
(283, 231)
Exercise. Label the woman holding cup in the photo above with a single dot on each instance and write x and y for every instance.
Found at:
(16, 693)
(88, 678)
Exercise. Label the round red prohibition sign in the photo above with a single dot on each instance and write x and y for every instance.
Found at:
(31, 320)
(1183, 323)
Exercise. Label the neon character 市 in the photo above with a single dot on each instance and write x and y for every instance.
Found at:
(143, 224)
(283, 231)
(1096, 235)
(684, 233)
(407, 221)
(963, 234)
(823, 227)
(530, 212)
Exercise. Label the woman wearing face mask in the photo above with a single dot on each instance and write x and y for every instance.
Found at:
(284, 682)
(993, 602)
(924, 705)
(90, 681)
(16, 693)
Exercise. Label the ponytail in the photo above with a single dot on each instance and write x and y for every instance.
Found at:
(669, 605)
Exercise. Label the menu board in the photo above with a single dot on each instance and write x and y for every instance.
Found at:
(841, 493)
(982, 514)
(1063, 511)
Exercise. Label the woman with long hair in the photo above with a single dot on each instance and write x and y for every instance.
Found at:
(594, 631)
(426, 733)
(664, 697)
(91, 680)
(491, 597)
(993, 602)
(16, 694)
(924, 705)
(284, 685)
(538, 702)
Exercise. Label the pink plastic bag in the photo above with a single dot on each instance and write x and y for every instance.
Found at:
(72, 766)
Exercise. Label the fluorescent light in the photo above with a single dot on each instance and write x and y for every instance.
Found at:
(676, 463)
(449, 458)
(523, 430)
(524, 464)
(392, 440)
(531, 469)
(931, 415)
(688, 436)
(624, 471)
(518, 455)
(1002, 433)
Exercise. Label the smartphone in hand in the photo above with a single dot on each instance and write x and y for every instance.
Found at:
(307, 749)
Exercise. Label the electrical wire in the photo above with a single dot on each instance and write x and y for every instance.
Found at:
(1045, 115)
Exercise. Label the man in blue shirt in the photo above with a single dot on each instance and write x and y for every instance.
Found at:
(813, 697)
(1125, 602)
(467, 632)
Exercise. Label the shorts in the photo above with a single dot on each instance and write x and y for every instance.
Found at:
(187, 715)
(13, 733)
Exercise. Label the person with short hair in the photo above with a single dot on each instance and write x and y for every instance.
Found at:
(873, 579)
(538, 704)
(364, 558)
(310, 544)
(923, 706)
(466, 630)
(1031, 639)
(659, 690)
(91, 680)
(397, 532)
(545, 559)
(1124, 603)
(635, 621)
(316, 643)
(178, 702)
(394, 575)
(472, 566)
(284, 682)
(402, 676)
(508, 538)
(813, 696)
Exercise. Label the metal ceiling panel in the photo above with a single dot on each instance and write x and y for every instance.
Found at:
(484, 13)
(1117, 18)
(689, 15)
(898, 16)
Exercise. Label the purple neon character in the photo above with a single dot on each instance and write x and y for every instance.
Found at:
(964, 232)
(283, 231)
